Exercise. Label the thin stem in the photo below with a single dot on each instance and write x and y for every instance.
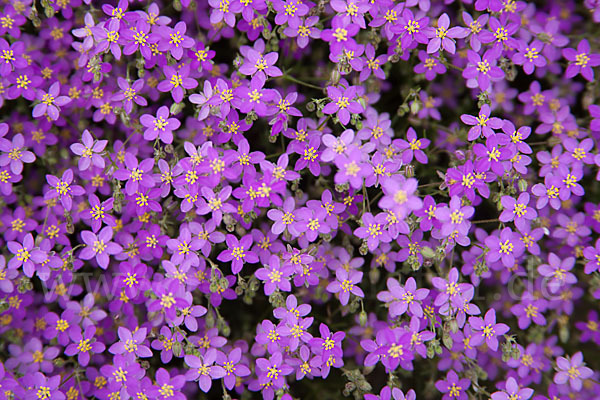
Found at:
(430, 184)
(485, 221)
(299, 82)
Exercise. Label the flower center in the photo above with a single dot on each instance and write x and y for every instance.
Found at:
(341, 34)
(483, 66)
(84, 345)
(507, 247)
(532, 53)
(347, 285)
(582, 60)
(457, 217)
(99, 246)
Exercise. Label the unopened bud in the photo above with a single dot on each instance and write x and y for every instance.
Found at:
(362, 318)
(177, 349)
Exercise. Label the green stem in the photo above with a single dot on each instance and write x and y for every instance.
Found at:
(299, 82)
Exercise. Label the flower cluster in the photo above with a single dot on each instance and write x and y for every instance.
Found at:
(294, 199)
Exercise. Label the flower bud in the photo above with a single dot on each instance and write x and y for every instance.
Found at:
(364, 248)
(374, 275)
(416, 106)
(447, 340)
(59, 362)
(210, 320)
(522, 185)
(362, 318)
(177, 349)
(335, 77)
(364, 386)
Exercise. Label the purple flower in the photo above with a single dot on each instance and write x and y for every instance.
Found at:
(592, 253)
(530, 309)
(507, 248)
(512, 391)
(292, 309)
(589, 328)
(413, 147)
(302, 30)
(140, 39)
(444, 37)
(89, 151)
(518, 210)
(573, 370)
(529, 56)
(15, 154)
(284, 219)
(351, 168)
(233, 368)
(169, 295)
(399, 196)
(249, 98)
(131, 342)
(309, 156)
(345, 284)
(411, 29)
(548, 192)
(176, 81)
(275, 276)
(165, 342)
(204, 370)
(453, 388)
(273, 370)
(216, 204)
(482, 70)
(84, 344)
(257, 64)
(489, 5)
(129, 94)
(97, 214)
(99, 247)
(63, 189)
(372, 64)
(403, 298)
(501, 33)
(44, 387)
(174, 39)
(184, 248)
(169, 387)
(483, 125)
(476, 27)
(11, 54)
(295, 329)
(388, 393)
(137, 174)
(571, 229)
(429, 66)
(595, 113)
(581, 61)
(455, 220)
(342, 103)
(289, 11)
(450, 290)
(487, 330)
(373, 230)
(238, 252)
(25, 255)
(557, 271)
